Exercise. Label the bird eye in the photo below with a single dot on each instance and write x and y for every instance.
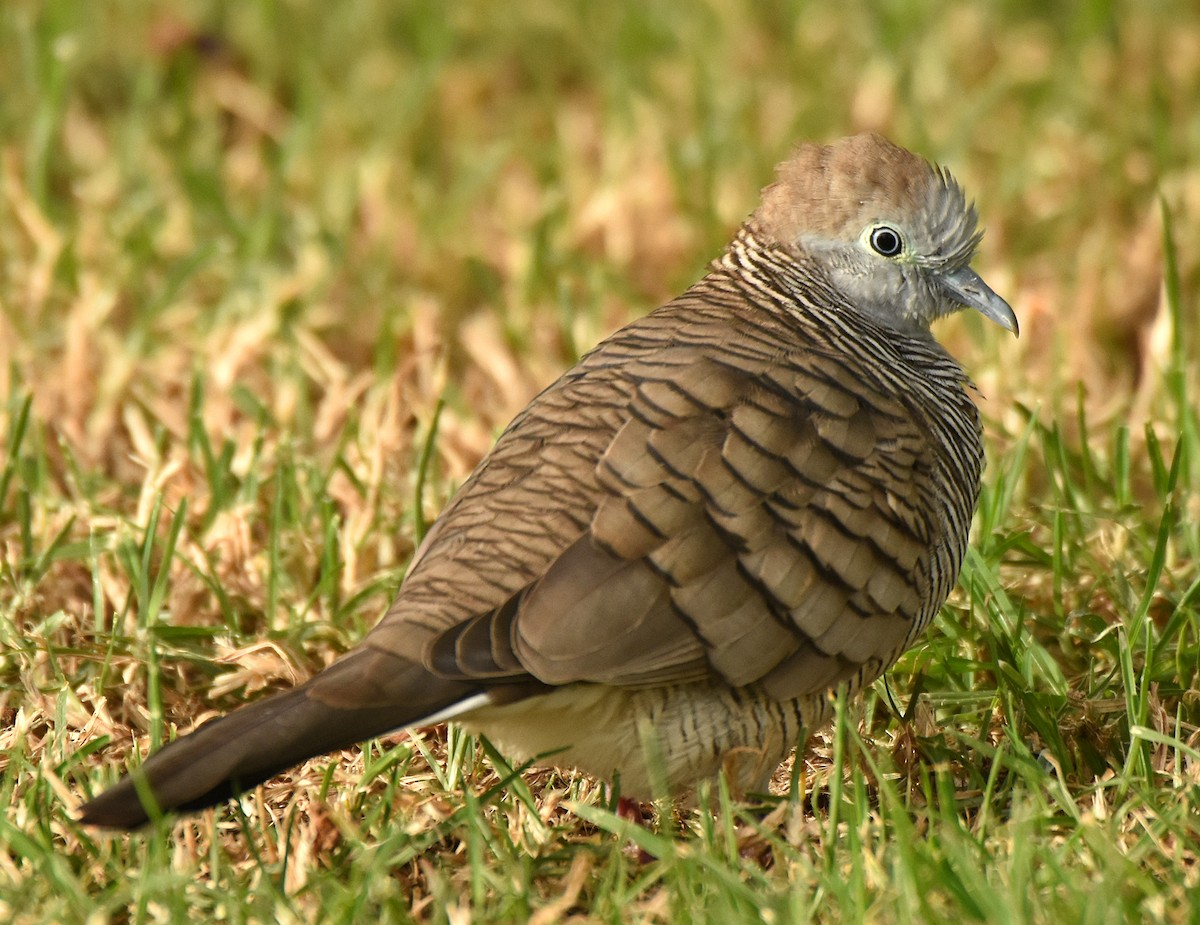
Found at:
(886, 241)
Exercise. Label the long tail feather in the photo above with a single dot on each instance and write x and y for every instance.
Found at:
(363, 695)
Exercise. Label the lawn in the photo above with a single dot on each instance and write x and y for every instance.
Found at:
(275, 273)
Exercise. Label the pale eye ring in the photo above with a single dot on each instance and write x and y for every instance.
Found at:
(886, 241)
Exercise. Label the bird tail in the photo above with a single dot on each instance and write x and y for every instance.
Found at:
(367, 693)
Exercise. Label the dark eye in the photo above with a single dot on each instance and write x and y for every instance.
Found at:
(886, 241)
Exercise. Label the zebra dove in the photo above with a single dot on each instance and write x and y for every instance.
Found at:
(755, 493)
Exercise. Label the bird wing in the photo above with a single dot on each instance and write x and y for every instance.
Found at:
(736, 503)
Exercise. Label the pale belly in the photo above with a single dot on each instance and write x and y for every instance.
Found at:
(656, 741)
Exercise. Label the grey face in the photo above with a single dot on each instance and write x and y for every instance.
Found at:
(892, 232)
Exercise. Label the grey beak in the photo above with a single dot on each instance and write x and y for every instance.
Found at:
(967, 288)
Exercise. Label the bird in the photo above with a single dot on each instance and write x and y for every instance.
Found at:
(670, 559)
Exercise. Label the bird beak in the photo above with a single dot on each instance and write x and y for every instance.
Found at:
(965, 287)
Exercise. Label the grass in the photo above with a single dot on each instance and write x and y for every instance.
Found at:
(273, 278)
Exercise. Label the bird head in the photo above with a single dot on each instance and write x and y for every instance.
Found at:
(891, 232)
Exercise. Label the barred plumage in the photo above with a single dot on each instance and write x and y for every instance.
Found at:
(754, 493)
